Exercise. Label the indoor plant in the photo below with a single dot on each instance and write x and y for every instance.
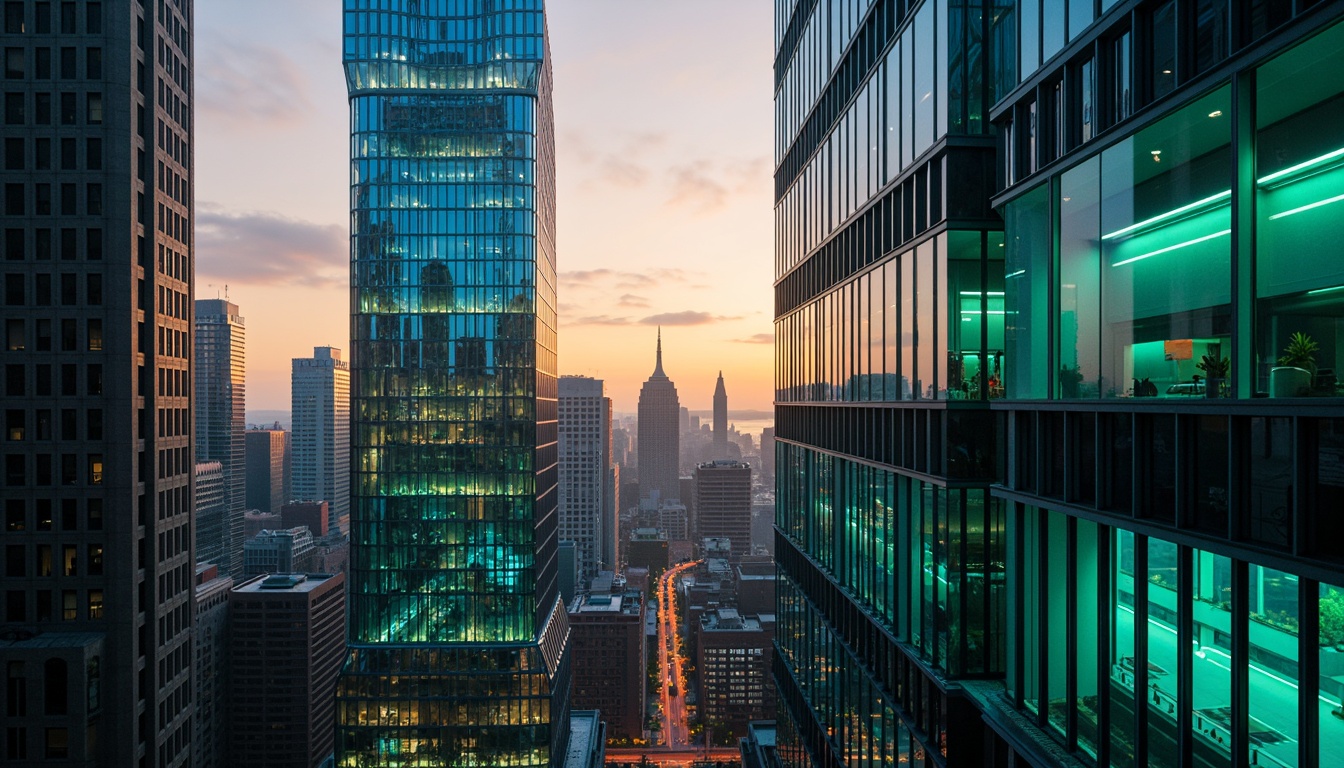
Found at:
(1215, 368)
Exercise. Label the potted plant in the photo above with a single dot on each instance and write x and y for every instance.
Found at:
(1215, 368)
(1296, 369)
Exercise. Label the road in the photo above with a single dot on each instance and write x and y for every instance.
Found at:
(661, 756)
(671, 671)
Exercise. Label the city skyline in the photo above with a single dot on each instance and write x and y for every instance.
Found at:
(273, 222)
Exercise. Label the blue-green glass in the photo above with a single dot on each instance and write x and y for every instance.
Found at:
(1087, 705)
(1162, 691)
(1126, 685)
(1079, 330)
(1330, 697)
(1211, 659)
(457, 635)
(1058, 629)
(1026, 294)
(1274, 676)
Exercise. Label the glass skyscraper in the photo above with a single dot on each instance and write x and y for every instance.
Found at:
(458, 639)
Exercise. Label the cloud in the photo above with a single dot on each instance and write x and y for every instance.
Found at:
(687, 317)
(759, 338)
(620, 166)
(632, 301)
(246, 82)
(267, 248)
(707, 185)
(595, 320)
(613, 278)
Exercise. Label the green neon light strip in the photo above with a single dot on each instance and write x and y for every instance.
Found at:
(1170, 248)
(1308, 207)
(1170, 215)
(1325, 290)
(1328, 157)
(977, 293)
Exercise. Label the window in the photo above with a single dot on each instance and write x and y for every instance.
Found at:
(1300, 278)
(14, 334)
(14, 290)
(42, 63)
(67, 63)
(14, 18)
(1162, 53)
(14, 68)
(94, 108)
(67, 18)
(55, 687)
(1165, 260)
(14, 109)
(15, 203)
(14, 154)
(95, 330)
(94, 199)
(15, 424)
(93, 64)
(93, 155)
(69, 110)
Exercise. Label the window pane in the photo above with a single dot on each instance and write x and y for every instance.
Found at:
(1027, 233)
(1165, 252)
(1080, 282)
(1300, 278)
(1211, 682)
(1161, 684)
(1273, 680)
(1122, 651)
(1332, 668)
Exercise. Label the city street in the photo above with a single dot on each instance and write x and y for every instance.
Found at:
(671, 670)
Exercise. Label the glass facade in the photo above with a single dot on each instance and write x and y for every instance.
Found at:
(458, 639)
(1136, 569)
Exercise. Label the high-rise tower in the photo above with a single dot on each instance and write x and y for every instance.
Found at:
(96, 229)
(585, 458)
(659, 443)
(720, 419)
(320, 448)
(221, 424)
(455, 620)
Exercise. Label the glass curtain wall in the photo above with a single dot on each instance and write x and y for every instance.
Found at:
(457, 635)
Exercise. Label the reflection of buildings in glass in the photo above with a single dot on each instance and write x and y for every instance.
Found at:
(453, 515)
(1140, 573)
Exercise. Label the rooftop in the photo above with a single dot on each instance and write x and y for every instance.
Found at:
(284, 583)
(586, 740)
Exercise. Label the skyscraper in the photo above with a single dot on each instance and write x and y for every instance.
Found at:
(659, 440)
(585, 458)
(720, 419)
(97, 232)
(221, 424)
(723, 504)
(268, 469)
(455, 616)
(320, 450)
(1066, 493)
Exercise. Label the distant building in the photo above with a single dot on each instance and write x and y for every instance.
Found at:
(320, 402)
(287, 641)
(647, 548)
(312, 514)
(212, 509)
(210, 730)
(755, 587)
(256, 522)
(723, 503)
(221, 421)
(568, 568)
(287, 550)
(587, 740)
(659, 434)
(734, 654)
(758, 746)
(768, 454)
(608, 648)
(720, 419)
(673, 520)
(584, 462)
(267, 469)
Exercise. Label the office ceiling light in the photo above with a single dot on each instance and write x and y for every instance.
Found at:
(1308, 207)
(1184, 211)
(1216, 113)
(1171, 248)
(1313, 166)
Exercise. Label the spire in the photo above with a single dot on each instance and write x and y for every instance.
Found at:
(719, 390)
(658, 369)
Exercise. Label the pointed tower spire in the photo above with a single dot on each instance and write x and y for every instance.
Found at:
(658, 369)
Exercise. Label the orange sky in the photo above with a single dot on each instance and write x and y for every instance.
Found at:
(663, 122)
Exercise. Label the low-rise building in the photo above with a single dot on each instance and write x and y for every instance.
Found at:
(734, 654)
(607, 652)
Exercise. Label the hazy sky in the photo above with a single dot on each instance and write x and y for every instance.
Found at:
(663, 121)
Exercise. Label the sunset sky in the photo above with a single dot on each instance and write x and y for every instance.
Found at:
(663, 123)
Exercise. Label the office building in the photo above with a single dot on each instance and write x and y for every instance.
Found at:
(267, 459)
(647, 549)
(585, 458)
(313, 515)
(758, 746)
(212, 512)
(210, 732)
(587, 740)
(454, 523)
(96, 231)
(609, 650)
(734, 654)
(674, 521)
(256, 522)
(723, 504)
(221, 423)
(286, 644)
(286, 550)
(659, 439)
(1058, 434)
(320, 442)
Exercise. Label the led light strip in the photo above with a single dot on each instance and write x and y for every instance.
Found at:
(1308, 207)
(1177, 213)
(1338, 154)
(1170, 248)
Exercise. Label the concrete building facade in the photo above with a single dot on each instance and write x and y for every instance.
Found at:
(320, 450)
